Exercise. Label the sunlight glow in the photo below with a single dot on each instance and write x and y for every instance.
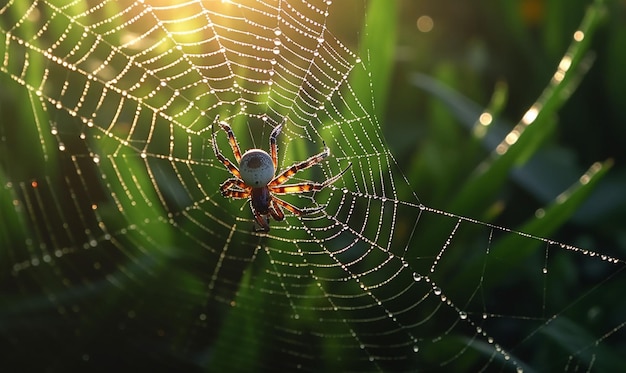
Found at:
(579, 36)
(425, 23)
(558, 76)
(485, 119)
(586, 177)
(512, 137)
(565, 63)
(531, 115)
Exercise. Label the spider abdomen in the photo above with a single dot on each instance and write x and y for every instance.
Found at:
(256, 168)
(261, 199)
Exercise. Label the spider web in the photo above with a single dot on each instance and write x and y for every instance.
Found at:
(119, 250)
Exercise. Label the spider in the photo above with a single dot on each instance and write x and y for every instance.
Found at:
(255, 178)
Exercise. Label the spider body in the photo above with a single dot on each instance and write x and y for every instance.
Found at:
(256, 168)
(256, 178)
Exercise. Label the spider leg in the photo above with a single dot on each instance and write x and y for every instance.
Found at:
(308, 186)
(294, 210)
(262, 220)
(286, 174)
(297, 211)
(232, 140)
(235, 194)
(234, 188)
(273, 147)
(276, 211)
(233, 143)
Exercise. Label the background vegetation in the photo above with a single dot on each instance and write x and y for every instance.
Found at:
(500, 57)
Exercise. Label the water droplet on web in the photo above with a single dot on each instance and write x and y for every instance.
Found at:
(462, 315)
(416, 348)
(276, 50)
(437, 290)
(417, 277)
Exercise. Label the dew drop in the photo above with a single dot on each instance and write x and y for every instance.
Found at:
(417, 277)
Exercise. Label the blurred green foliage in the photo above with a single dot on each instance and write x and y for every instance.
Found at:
(500, 56)
(562, 177)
